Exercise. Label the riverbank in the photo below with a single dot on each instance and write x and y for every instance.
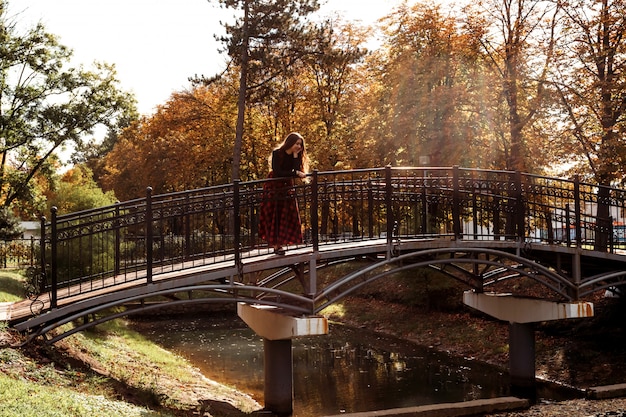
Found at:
(578, 353)
(117, 371)
(111, 371)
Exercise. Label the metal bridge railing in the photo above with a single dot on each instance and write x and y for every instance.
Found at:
(137, 239)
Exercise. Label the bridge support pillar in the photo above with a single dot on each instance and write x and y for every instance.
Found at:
(522, 314)
(278, 368)
(278, 327)
(522, 357)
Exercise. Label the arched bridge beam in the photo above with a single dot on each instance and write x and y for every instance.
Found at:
(602, 282)
(286, 275)
(520, 267)
(298, 303)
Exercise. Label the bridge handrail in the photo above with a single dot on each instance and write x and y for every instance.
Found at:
(136, 239)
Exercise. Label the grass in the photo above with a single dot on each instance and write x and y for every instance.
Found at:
(39, 380)
(11, 286)
(23, 398)
(158, 377)
(129, 357)
(35, 387)
(89, 374)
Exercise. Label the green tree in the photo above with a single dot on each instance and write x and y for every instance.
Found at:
(46, 106)
(9, 225)
(77, 191)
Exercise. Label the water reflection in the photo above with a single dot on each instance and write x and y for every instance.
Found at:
(353, 370)
(349, 370)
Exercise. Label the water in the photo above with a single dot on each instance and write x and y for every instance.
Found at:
(349, 370)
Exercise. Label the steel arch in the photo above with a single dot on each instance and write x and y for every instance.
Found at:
(519, 266)
(300, 304)
(602, 282)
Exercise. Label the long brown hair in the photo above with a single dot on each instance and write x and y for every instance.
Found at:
(289, 141)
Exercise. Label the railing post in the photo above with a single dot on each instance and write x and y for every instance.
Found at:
(568, 238)
(42, 250)
(611, 236)
(53, 255)
(424, 197)
(236, 223)
(389, 203)
(456, 204)
(187, 226)
(315, 229)
(520, 209)
(370, 209)
(579, 235)
(149, 235)
(117, 238)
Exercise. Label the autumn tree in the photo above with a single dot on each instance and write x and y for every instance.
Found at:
(591, 82)
(592, 86)
(92, 153)
(265, 38)
(314, 95)
(185, 144)
(45, 105)
(518, 42)
(332, 76)
(424, 76)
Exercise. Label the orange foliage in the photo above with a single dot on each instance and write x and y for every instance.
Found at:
(186, 144)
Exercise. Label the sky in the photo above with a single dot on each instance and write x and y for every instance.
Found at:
(155, 45)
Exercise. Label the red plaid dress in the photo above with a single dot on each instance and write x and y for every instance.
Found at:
(279, 219)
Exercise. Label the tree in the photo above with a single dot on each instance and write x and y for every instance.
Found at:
(186, 144)
(425, 74)
(518, 40)
(45, 106)
(9, 225)
(77, 191)
(332, 70)
(264, 39)
(591, 83)
(93, 153)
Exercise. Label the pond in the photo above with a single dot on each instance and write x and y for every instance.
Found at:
(348, 370)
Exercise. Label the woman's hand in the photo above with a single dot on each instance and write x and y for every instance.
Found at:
(300, 174)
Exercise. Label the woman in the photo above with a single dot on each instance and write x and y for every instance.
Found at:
(279, 222)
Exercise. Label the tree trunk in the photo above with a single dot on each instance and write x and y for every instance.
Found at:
(241, 102)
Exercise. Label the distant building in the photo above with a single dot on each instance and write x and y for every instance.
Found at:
(31, 229)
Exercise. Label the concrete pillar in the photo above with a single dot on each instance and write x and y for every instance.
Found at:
(277, 328)
(522, 313)
(278, 368)
(522, 358)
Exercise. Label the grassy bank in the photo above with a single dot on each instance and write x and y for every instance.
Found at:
(110, 371)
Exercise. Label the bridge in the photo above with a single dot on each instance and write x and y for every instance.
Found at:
(483, 228)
